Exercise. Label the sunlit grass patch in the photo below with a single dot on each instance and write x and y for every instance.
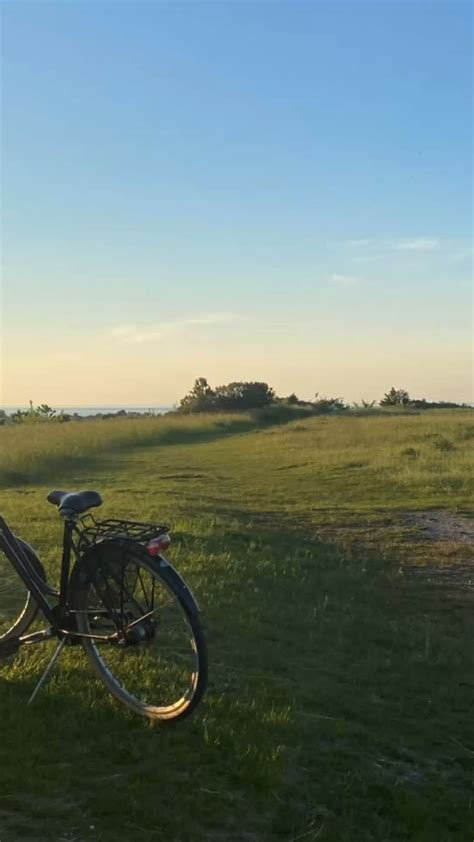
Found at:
(30, 452)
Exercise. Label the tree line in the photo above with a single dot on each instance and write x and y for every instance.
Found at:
(246, 395)
(241, 396)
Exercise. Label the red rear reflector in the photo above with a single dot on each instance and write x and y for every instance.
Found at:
(158, 545)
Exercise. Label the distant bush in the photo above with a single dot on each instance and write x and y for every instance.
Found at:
(411, 452)
(401, 398)
(363, 404)
(424, 404)
(280, 413)
(467, 433)
(443, 444)
(293, 400)
(328, 405)
(42, 412)
(395, 397)
(254, 395)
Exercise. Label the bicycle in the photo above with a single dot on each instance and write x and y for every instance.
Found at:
(128, 607)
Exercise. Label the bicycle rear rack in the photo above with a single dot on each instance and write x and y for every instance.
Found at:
(96, 531)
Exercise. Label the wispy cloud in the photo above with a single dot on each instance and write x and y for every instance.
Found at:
(419, 244)
(344, 280)
(136, 334)
(387, 244)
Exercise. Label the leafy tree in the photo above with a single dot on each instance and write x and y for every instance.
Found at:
(201, 398)
(252, 395)
(395, 397)
(233, 396)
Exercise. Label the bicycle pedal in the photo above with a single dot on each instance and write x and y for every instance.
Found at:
(9, 647)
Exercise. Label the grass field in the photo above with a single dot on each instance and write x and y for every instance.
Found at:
(341, 663)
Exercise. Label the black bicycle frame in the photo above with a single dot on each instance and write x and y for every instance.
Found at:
(22, 565)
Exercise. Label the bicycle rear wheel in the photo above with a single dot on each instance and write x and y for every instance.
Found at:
(155, 660)
(18, 607)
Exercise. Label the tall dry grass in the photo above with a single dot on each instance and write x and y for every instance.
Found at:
(36, 451)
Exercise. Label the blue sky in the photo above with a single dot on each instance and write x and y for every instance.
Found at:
(238, 190)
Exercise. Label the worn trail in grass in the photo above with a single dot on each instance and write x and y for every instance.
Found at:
(340, 699)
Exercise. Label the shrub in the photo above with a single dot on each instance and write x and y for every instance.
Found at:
(279, 413)
(364, 404)
(467, 433)
(42, 412)
(424, 404)
(444, 445)
(411, 452)
(395, 397)
(324, 405)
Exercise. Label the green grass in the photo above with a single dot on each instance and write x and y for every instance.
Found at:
(34, 451)
(340, 698)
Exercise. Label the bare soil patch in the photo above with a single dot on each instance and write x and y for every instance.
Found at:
(438, 525)
(452, 535)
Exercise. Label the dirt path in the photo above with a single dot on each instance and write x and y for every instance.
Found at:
(442, 526)
(453, 536)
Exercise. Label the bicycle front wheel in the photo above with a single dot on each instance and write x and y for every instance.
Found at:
(18, 607)
(145, 644)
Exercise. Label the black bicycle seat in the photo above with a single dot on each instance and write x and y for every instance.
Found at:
(75, 501)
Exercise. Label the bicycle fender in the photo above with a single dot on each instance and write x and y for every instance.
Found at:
(85, 568)
(38, 571)
(172, 578)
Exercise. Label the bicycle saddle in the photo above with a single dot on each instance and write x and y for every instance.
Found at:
(75, 501)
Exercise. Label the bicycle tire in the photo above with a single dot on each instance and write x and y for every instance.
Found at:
(95, 599)
(23, 615)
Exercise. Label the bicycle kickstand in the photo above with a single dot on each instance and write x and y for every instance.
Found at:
(47, 671)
